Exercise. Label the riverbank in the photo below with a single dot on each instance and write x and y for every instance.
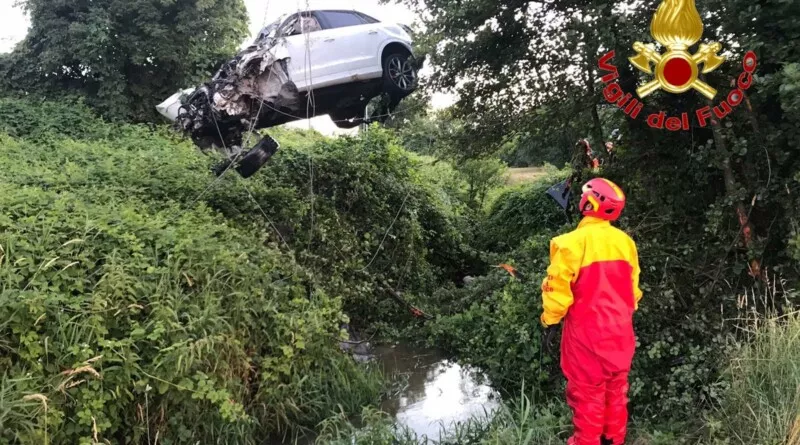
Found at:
(761, 406)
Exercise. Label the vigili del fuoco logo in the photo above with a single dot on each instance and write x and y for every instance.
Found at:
(676, 26)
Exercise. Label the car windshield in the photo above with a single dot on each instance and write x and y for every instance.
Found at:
(269, 31)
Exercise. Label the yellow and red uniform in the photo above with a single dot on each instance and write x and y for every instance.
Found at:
(593, 284)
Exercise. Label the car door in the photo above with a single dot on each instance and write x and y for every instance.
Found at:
(300, 38)
(349, 47)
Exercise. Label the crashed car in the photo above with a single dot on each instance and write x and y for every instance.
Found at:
(307, 64)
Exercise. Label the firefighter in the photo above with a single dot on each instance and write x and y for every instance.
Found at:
(593, 285)
(611, 154)
(583, 156)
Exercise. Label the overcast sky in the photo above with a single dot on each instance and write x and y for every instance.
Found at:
(14, 26)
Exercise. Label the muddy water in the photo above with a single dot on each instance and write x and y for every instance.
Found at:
(432, 391)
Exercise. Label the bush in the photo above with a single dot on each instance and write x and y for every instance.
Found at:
(112, 303)
(493, 323)
(143, 296)
(70, 119)
(520, 213)
(338, 205)
(482, 175)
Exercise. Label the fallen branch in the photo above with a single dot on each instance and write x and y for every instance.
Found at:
(415, 311)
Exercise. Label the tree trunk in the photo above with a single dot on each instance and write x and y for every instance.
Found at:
(598, 130)
(746, 227)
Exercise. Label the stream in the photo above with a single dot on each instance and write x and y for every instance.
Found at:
(431, 391)
(438, 391)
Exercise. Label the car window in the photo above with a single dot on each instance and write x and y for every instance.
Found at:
(268, 31)
(368, 19)
(288, 26)
(342, 19)
(299, 24)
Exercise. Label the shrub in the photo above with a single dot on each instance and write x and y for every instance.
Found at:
(521, 212)
(144, 296)
(482, 175)
(114, 306)
(358, 213)
(493, 323)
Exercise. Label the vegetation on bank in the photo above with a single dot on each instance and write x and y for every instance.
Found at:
(136, 282)
(143, 300)
(142, 297)
(760, 406)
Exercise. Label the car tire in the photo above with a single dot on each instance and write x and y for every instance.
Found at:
(399, 74)
(257, 157)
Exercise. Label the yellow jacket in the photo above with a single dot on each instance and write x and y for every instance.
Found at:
(596, 265)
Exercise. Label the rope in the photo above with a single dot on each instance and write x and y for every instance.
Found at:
(380, 246)
(407, 110)
(308, 73)
(267, 217)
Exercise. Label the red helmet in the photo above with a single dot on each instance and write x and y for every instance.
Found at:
(602, 199)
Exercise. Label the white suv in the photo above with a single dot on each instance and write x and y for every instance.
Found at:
(307, 64)
(328, 48)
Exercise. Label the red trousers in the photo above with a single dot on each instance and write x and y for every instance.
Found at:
(596, 367)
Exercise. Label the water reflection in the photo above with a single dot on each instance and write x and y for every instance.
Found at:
(438, 391)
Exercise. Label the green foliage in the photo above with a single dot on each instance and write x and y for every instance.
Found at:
(114, 302)
(143, 296)
(492, 323)
(520, 421)
(482, 175)
(361, 215)
(378, 429)
(123, 56)
(70, 119)
(528, 76)
(762, 404)
(521, 212)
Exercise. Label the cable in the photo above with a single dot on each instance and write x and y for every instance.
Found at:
(310, 105)
(267, 217)
(378, 250)
(407, 110)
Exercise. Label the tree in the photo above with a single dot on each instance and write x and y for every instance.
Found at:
(124, 56)
(712, 208)
(510, 59)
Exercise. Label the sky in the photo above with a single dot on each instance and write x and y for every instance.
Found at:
(14, 27)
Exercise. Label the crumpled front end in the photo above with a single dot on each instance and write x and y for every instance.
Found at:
(251, 91)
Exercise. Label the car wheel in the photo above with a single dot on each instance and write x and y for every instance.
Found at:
(257, 157)
(399, 74)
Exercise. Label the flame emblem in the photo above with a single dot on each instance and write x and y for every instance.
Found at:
(677, 25)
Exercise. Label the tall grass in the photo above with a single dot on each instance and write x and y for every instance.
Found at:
(20, 414)
(762, 405)
(517, 422)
